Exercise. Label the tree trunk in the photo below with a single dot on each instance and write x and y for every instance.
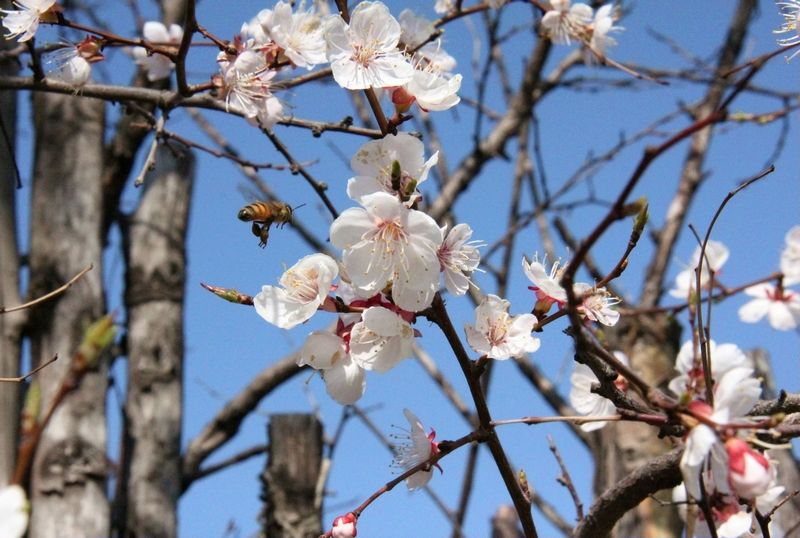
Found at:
(624, 447)
(10, 324)
(292, 507)
(156, 274)
(69, 474)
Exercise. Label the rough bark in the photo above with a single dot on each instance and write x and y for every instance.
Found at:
(10, 324)
(69, 475)
(292, 509)
(624, 447)
(156, 274)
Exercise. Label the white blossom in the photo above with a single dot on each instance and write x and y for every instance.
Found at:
(380, 340)
(498, 335)
(597, 304)
(73, 64)
(418, 447)
(245, 85)
(13, 511)
(735, 393)
(385, 242)
(300, 34)
(376, 171)
(781, 307)
(547, 286)
(24, 22)
(790, 10)
(716, 255)
(587, 402)
(564, 22)
(432, 90)
(443, 6)
(730, 519)
(724, 357)
(601, 27)
(344, 379)
(364, 54)
(414, 29)
(790, 257)
(157, 66)
(459, 258)
(305, 287)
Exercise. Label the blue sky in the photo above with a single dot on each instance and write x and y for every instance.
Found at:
(228, 344)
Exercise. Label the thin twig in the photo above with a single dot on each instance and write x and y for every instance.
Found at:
(565, 479)
(20, 379)
(47, 296)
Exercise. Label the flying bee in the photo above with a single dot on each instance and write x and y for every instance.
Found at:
(263, 214)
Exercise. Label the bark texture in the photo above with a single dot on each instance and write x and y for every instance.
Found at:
(155, 280)
(292, 509)
(69, 474)
(10, 324)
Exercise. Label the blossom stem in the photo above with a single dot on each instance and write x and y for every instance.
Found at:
(445, 447)
(437, 313)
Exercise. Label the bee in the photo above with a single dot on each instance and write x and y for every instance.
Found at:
(263, 215)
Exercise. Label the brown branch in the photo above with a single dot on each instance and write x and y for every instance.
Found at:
(660, 473)
(47, 296)
(224, 426)
(565, 479)
(438, 314)
(237, 458)
(166, 99)
(21, 378)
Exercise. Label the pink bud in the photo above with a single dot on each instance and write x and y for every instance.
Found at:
(402, 99)
(344, 526)
(750, 473)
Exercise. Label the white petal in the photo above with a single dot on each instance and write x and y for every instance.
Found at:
(322, 350)
(345, 381)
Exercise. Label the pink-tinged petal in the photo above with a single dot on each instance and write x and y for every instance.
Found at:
(782, 317)
(345, 381)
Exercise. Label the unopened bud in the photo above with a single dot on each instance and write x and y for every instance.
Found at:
(344, 526)
(98, 336)
(397, 175)
(229, 294)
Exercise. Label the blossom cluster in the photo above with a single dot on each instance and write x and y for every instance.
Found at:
(371, 49)
(567, 22)
(393, 259)
(778, 302)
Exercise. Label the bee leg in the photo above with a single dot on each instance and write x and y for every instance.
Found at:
(263, 235)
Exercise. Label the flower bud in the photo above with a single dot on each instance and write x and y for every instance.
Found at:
(344, 526)
(750, 473)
